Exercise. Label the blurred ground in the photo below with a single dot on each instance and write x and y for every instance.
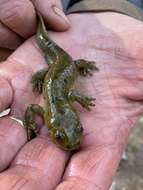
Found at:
(130, 173)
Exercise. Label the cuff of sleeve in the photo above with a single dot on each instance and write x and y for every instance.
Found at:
(120, 6)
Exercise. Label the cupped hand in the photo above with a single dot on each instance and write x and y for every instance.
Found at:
(114, 42)
(18, 21)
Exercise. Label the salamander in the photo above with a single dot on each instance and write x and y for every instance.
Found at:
(56, 83)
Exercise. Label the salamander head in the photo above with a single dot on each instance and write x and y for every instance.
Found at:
(66, 130)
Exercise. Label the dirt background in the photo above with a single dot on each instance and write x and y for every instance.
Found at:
(130, 172)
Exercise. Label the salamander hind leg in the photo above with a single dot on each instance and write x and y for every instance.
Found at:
(85, 67)
(38, 80)
(29, 123)
(83, 100)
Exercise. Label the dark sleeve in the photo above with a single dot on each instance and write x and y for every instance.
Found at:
(120, 6)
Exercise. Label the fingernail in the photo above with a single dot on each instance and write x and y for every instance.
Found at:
(60, 13)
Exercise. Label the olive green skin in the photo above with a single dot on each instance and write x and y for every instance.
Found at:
(57, 86)
(60, 117)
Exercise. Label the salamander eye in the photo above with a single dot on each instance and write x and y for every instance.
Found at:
(59, 136)
(79, 129)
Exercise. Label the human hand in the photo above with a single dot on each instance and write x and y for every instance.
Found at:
(114, 41)
(18, 21)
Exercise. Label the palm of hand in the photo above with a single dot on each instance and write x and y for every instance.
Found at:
(116, 87)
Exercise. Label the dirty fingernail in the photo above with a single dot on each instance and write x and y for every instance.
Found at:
(60, 13)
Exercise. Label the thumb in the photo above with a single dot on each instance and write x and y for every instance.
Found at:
(20, 16)
(53, 14)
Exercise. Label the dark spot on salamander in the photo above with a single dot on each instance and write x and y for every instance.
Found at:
(65, 80)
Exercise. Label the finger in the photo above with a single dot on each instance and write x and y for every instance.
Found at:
(39, 165)
(8, 38)
(53, 14)
(6, 94)
(12, 137)
(91, 169)
(4, 53)
(19, 16)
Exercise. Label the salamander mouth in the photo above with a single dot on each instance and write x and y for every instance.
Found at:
(68, 147)
(71, 147)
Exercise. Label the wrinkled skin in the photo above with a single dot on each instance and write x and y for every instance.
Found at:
(115, 42)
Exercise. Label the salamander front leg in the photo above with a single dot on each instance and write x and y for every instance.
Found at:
(38, 80)
(29, 122)
(85, 67)
(83, 100)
